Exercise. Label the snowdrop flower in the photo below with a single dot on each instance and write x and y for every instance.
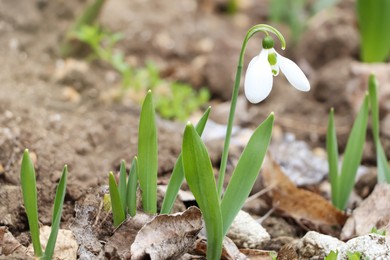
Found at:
(258, 79)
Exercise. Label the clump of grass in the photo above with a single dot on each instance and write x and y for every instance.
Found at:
(29, 190)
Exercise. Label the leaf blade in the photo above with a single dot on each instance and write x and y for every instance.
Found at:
(177, 176)
(29, 190)
(353, 150)
(57, 213)
(333, 158)
(246, 172)
(148, 155)
(200, 178)
(117, 211)
(122, 185)
(132, 187)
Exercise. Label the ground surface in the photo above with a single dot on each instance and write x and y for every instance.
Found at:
(191, 41)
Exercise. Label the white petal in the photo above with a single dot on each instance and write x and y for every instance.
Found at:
(293, 73)
(258, 78)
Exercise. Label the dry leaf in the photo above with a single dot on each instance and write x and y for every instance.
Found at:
(229, 249)
(118, 245)
(11, 247)
(374, 211)
(256, 254)
(308, 209)
(168, 236)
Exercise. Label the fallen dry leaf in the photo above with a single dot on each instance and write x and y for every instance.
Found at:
(374, 211)
(168, 236)
(229, 249)
(308, 209)
(256, 254)
(11, 247)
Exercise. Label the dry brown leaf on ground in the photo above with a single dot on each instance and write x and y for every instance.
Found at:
(257, 254)
(168, 236)
(229, 249)
(373, 212)
(308, 209)
(11, 247)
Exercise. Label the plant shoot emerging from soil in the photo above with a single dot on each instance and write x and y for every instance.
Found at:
(29, 190)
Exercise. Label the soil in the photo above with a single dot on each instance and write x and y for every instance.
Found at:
(74, 120)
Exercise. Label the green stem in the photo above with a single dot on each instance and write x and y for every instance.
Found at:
(252, 31)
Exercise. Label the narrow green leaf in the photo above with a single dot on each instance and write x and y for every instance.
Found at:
(29, 190)
(246, 172)
(117, 211)
(333, 158)
(122, 185)
(177, 176)
(200, 178)
(374, 25)
(353, 154)
(132, 188)
(148, 155)
(57, 213)
(383, 168)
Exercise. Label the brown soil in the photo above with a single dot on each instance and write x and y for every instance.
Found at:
(191, 41)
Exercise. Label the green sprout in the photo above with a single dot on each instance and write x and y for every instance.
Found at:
(343, 182)
(332, 255)
(374, 230)
(374, 25)
(382, 163)
(144, 170)
(295, 13)
(29, 190)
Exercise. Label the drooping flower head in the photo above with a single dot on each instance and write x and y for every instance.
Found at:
(262, 68)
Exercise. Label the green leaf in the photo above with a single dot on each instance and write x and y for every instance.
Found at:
(332, 256)
(29, 190)
(333, 158)
(148, 155)
(122, 185)
(116, 204)
(177, 176)
(246, 172)
(132, 188)
(57, 213)
(353, 154)
(200, 178)
(382, 163)
(374, 25)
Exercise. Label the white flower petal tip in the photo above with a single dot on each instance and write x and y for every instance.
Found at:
(258, 79)
(294, 74)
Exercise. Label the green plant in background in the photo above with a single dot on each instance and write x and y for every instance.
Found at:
(87, 18)
(382, 163)
(219, 209)
(296, 12)
(29, 190)
(374, 25)
(174, 100)
(331, 256)
(342, 182)
(374, 230)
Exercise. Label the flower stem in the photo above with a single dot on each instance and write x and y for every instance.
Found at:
(252, 31)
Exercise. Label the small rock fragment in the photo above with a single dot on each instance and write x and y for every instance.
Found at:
(247, 232)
